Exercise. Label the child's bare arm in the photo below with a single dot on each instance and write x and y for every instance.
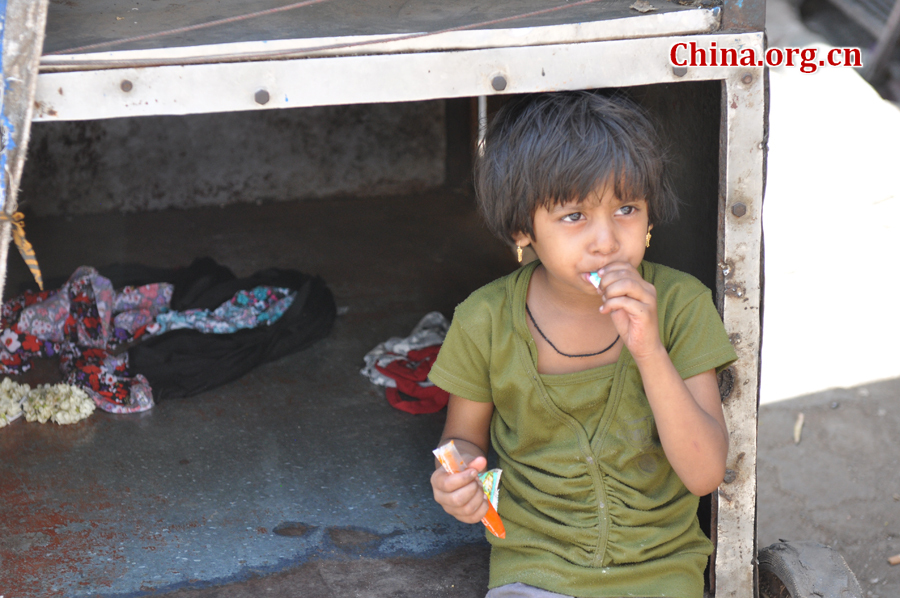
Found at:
(690, 422)
(468, 425)
(688, 413)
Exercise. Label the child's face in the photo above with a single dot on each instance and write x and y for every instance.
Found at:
(574, 239)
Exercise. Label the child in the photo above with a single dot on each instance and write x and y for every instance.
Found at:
(601, 403)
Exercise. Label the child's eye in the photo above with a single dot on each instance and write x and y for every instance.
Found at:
(627, 210)
(573, 217)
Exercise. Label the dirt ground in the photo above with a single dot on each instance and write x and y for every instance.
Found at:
(838, 485)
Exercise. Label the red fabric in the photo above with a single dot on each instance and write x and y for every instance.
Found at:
(410, 395)
(425, 404)
(415, 367)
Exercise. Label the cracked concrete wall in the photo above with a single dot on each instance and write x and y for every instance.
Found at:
(153, 163)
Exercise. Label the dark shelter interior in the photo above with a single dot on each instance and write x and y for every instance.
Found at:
(297, 477)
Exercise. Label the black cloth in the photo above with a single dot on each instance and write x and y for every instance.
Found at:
(182, 363)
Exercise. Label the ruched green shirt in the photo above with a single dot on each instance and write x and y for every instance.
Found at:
(591, 506)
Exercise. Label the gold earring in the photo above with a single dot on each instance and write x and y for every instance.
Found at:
(648, 239)
(519, 253)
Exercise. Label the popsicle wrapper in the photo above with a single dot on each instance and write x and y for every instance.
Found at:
(490, 482)
(453, 462)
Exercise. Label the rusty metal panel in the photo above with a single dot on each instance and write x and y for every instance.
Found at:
(744, 15)
(170, 25)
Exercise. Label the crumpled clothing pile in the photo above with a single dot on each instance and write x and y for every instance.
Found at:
(82, 323)
(402, 365)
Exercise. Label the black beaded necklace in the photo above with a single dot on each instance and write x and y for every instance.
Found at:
(544, 336)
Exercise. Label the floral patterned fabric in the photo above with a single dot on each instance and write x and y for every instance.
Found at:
(259, 306)
(82, 323)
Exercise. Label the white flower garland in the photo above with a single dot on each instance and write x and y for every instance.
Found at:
(11, 397)
(60, 403)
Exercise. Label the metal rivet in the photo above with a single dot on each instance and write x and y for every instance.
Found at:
(126, 85)
(747, 78)
(261, 97)
(730, 476)
(498, 83)
(738, 209)
(679, 71)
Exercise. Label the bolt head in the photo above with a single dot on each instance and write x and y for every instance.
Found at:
(747, 78)
(126, 85)
(739, 209)
(679, 71)
(261, 97)
(498, 83)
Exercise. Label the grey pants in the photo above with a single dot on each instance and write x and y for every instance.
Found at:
(520, 590)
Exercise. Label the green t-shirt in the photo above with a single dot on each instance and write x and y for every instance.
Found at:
(591, 506)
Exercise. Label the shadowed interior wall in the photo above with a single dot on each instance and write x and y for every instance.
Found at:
(158, 162)
(689, 118)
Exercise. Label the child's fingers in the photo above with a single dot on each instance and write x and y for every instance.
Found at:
(460, 494)
(615, 276)
(451, 482)
(631, 306)
(478, 464)
(468, 507)
(617, 272)
(627, 288)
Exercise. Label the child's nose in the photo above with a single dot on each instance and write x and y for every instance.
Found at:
(603, 238)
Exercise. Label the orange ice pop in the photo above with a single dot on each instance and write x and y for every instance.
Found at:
(453, 462)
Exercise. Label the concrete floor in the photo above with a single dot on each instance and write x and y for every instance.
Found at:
(298, 479)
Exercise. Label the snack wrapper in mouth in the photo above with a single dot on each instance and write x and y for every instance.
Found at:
(452, 462)
(595, 279)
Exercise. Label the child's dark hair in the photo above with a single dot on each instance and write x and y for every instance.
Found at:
(547, 149)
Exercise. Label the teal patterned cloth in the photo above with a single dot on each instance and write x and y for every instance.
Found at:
(260, 306)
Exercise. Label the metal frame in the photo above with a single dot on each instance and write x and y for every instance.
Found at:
(456, 64)
(334, 80)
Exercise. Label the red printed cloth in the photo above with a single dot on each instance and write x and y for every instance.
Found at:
(81, 323)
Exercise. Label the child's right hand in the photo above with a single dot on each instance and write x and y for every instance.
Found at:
(461, 494)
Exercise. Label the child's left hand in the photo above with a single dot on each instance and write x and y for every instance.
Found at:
(631, 303)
